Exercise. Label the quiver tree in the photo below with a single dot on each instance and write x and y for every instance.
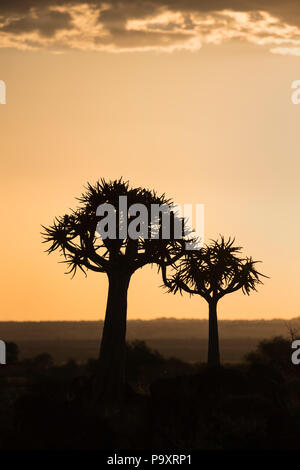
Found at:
(119, 256)
(215, 270)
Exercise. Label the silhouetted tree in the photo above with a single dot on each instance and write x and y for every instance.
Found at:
(274, 353)
(74, 235)
(212, 272)
(142, 361)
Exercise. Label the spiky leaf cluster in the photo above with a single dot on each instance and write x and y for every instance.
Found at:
(213, 271)
(74, 235)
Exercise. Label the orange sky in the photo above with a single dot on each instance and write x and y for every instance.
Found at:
(213, 126)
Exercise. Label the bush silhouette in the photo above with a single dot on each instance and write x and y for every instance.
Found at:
(12, 353)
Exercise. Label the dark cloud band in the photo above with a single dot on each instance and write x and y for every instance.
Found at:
(134, 24)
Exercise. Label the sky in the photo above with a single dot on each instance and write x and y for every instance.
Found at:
(192, 101)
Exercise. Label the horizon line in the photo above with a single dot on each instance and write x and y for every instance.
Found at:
(154, 319)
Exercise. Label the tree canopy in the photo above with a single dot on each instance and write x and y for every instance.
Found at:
(213, 271)
(74, 235)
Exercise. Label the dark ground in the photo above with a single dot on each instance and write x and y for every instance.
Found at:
(190, 350)
(167, 403)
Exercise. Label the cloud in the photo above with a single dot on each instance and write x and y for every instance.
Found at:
(46, 22)
(132, 25)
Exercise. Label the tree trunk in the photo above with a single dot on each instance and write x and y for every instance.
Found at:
(111, 370)
(213, 336)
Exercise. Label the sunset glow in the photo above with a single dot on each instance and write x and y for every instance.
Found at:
(192, 102)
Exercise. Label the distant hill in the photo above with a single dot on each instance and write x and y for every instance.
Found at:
(184, 338)
(144, 329)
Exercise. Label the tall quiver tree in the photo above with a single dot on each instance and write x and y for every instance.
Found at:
(212, 272)
(76, 236)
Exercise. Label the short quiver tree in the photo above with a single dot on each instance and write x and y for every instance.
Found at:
(215, 270)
